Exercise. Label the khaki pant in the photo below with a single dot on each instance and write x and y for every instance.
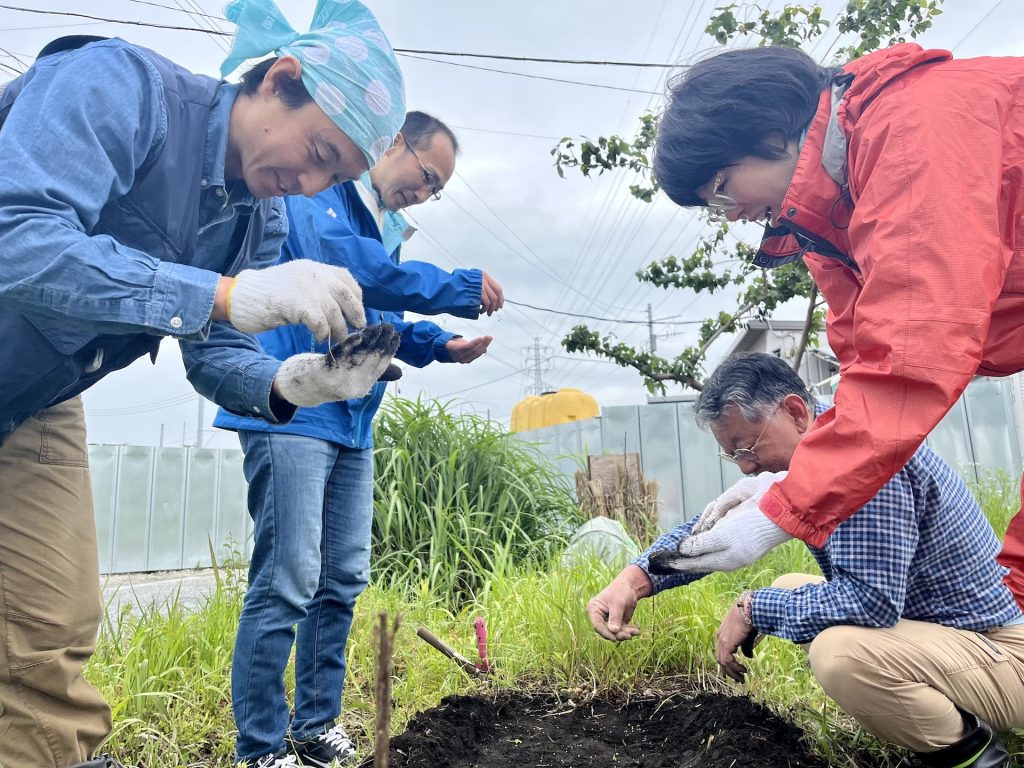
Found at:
(903, 683)
(50, 602)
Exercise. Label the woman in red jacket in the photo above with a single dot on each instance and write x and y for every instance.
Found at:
(899, 179)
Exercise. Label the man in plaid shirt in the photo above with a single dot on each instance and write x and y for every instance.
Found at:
(911, 630)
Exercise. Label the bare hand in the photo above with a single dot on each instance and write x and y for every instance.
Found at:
(462, 350)
(612, 608)
(732, 633)
(492, 298)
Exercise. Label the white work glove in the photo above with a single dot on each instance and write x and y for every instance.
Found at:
(324, 298)
(348, 370)
(752, 487)
(743, 536)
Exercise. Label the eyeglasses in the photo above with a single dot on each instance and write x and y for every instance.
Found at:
(429, 181)
(749, 454)
(718, 204)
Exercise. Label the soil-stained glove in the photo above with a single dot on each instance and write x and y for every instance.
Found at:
(324, 298)
(753, 487)
(348, 370)
(741, 537)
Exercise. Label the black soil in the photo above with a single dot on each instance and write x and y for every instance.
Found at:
(527, 731)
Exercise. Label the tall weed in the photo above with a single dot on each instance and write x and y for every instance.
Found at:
(458, 501)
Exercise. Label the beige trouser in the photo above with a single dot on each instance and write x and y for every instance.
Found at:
(50, 602)
(904, 683)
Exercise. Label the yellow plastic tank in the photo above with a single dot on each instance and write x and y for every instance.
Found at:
(550, 408)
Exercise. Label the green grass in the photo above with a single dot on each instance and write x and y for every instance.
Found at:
(468, 524)
(165, 671)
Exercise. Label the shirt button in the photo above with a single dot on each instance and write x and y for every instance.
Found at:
(175, 322)
(219, 192)
(204, 183)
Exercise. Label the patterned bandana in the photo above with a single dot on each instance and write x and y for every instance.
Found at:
(348, 65)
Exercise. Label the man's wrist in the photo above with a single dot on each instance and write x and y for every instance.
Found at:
(638, 580)
(745, 605)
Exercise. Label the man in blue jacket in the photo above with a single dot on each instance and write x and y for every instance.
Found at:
(135, 200)
(311, 481)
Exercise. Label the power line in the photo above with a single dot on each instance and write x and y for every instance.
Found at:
(588, 62)
(52, 26)
(104, 18)
(4, 50)
(467, 54)
(506, 133)
(178, 10)
(145, 408)
(524, 74)
(659, 321)
(978, 24)
(484, 384)
(401, 51)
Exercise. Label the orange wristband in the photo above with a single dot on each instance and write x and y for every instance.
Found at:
(227, 298)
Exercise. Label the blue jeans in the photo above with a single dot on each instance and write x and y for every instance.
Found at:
(311, 502)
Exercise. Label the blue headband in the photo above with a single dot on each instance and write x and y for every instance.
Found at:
(348, 65)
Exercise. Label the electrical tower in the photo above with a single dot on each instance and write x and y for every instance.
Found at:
(538, 362)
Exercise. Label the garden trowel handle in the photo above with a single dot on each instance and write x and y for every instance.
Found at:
(447, 650)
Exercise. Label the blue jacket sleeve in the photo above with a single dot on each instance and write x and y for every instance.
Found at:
(230, 367)
(104, 117)
(322, 233)
(422, 342)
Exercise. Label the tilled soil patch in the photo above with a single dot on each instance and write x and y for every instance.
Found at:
(540, 731)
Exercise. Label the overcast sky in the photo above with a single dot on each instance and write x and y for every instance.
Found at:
(569, 245)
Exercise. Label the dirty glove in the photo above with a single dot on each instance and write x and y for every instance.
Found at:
(753, 487)
(737, 540)
(324, 298)
(348, 370)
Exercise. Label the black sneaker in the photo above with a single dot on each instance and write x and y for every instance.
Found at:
(282, 759)
(103, 761)
(329, 749)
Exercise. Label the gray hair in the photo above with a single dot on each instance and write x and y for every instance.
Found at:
(753, 383)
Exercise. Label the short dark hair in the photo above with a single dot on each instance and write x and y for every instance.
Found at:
(292, 92)
(419, 128)
(730, 106)
(751, 382)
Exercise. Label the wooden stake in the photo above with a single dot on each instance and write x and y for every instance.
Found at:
(382, 727)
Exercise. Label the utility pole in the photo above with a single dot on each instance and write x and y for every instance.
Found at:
(650, 331)
(199, 423)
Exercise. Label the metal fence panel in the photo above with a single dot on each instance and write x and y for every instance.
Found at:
(160, 509)
(658, 428)
(134, 490)
(620, 429)
(234, 526)
(103, 467)
(167, 514)
(989, 412)
(980, 430)
(703, 472)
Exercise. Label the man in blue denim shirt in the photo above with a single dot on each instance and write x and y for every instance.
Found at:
(135, 199)
(311, 480)
(912, 630)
